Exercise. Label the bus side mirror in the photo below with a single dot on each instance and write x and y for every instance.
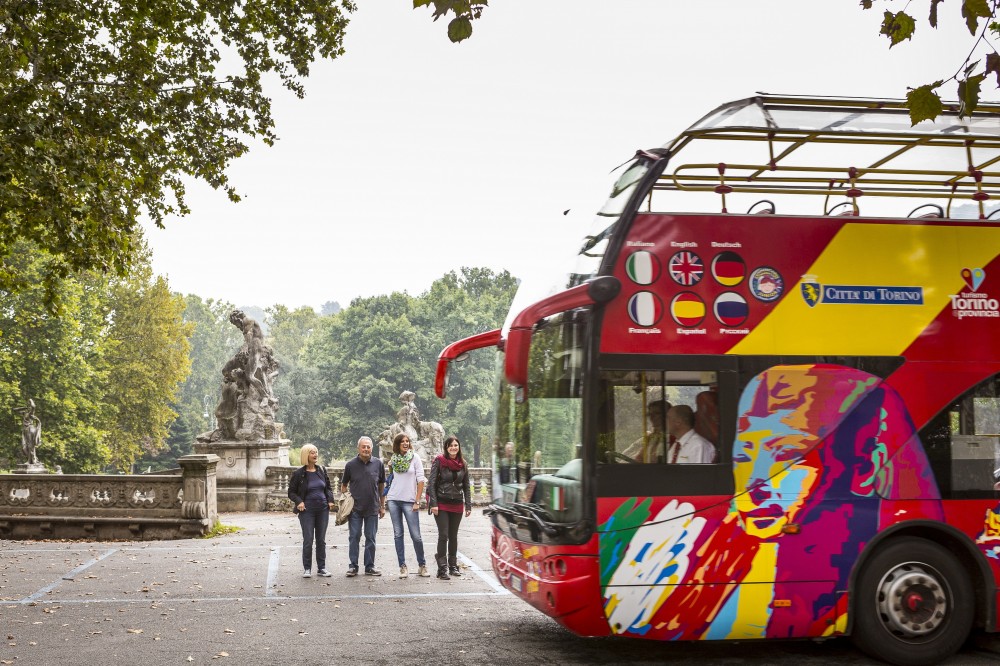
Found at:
(458, 352)
(598, 290)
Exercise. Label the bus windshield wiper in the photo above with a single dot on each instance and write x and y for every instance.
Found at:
(537, 513)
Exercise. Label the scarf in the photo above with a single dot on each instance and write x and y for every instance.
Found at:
(449, 463)
(400, 463)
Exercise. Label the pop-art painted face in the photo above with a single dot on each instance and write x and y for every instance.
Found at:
(774, 453)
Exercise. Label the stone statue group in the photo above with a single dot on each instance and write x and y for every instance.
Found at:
(248, 404)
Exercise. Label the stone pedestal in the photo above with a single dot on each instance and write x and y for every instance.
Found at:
(241, 476)
(35, 468)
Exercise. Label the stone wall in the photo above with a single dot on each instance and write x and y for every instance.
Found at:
(110, 506)
(481, 485)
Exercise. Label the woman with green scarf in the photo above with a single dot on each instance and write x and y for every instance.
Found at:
(403, 499)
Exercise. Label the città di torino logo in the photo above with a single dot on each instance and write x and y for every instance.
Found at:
(815, 293)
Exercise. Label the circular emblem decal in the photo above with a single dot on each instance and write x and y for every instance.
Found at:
(766, 284)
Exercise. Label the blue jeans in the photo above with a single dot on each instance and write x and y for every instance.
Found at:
(314, 521)
(398, 511)
(355, 523)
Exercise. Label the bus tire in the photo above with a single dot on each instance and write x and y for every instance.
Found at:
(913, 603)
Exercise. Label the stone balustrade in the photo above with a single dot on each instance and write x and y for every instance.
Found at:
(111, 506)
(480, 483)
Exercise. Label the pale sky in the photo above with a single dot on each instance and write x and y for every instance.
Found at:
(411, 156)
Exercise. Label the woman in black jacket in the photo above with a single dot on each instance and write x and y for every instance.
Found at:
(449, 497)
(312, 496)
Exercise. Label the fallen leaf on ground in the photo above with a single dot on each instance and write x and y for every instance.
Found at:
(135, 631)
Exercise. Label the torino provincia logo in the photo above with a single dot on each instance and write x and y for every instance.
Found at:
(972, 303)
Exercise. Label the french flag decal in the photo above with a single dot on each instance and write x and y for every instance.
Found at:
(645, 308)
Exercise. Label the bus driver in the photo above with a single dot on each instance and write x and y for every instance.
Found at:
(647, 448)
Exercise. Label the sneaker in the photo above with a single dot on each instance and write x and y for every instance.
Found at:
(307, 573)
(324, 573)
(424, 572)
(373, 572)
(352, 572)
(402, 571)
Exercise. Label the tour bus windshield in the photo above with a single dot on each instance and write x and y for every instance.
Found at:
(538, 443)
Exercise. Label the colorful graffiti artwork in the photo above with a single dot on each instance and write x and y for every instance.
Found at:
(822, 457)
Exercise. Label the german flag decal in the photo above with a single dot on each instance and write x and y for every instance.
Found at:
(728, 269)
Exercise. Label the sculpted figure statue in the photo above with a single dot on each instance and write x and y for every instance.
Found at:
(426, 437)
(31, 432)
(247, 406)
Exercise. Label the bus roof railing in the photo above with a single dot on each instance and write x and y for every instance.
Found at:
(888, 148)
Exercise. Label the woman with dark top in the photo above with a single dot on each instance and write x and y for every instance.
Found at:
(312, 496)
(449, 497)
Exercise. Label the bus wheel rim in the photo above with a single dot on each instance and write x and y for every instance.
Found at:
(912, 601)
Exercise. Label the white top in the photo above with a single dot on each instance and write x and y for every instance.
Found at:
(404, 485)
(693, 449)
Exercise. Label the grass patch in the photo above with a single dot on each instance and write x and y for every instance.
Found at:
(220, 530)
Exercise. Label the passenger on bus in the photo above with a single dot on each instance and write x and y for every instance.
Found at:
(651, 446)
(688, 446)
(706, 416)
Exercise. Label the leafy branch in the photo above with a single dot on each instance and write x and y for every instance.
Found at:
(465, 11)
(924, 102)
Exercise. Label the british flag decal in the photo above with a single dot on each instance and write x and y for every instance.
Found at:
(686, 268)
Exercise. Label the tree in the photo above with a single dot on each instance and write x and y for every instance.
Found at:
(366, 355)
(103, 370)
(108, 106)
(213, 341)
(298, 387)
(56, 360)
(147, 361)
(924, 102)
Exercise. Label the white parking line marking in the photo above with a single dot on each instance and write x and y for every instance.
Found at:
(272, 571)
(500, 589)
(70, 576)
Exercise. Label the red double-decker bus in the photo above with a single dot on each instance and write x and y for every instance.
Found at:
(765, 401)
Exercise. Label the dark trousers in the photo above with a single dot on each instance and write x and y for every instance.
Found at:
(447, 524)
(356, 524)
(314, 522)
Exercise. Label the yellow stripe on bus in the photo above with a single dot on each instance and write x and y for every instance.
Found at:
(873, 255)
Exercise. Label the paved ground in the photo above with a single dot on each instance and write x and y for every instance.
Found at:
(241, 599)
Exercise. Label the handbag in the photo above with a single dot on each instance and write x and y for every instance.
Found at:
(344, 509)
(388, 483)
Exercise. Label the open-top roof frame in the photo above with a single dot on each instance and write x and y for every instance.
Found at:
(786, 124)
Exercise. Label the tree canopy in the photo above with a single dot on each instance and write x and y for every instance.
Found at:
(103, 371)
(107, 107)
(924, 101)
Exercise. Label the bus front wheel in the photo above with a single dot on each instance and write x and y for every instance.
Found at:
(913, 604)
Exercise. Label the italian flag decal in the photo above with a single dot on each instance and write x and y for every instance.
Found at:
(558, 502)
